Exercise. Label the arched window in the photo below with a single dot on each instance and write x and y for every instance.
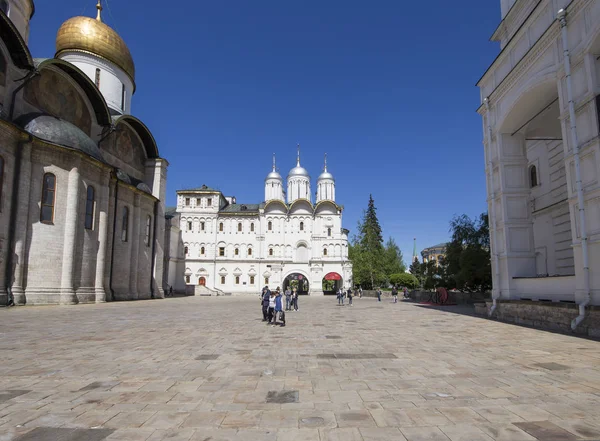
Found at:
(186, 250)
(98, 78)
(125, 224)
(48, 199)
(1, 177)
(266, 280)
(201, 226)
(328, 231)
(324, 251)
(249, 251)
(148, 226)
(240, 226)
(533, 179)
(4, 6)
(237, 251)
(189, 226)
(89, 208)
(251, 280)
(270, 226)
(221, 226)
(202, 251)
(237, 280)
(301, 226)
(270, 251)
(252, 227)
(187, 279)
(222, 280)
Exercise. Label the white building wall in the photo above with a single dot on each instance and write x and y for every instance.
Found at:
(526, 77)
(295, 243)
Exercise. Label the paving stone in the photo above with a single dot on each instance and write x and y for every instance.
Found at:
(281, 397)
(6, 395)
(376, 382)
(546, 431)
(552, 366)
(381, 434)
(60, 434)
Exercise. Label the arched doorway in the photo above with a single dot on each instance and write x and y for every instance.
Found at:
(331, 283)
(202, 281)
(296, 281)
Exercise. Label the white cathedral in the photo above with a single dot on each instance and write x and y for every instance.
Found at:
(218, 246)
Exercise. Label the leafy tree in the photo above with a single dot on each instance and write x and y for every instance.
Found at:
(404, 279)
(467, 260)
(393, 262)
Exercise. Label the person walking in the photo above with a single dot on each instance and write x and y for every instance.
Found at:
(272, 303)
(295, 299)
(406, 296)
(279, 309)
(266, 294)
(170, 291)
(379, 294)
(288, 298)
(395, 294)
(350, 297)
(341, 297)
(360, 292)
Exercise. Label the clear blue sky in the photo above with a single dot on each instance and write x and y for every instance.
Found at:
(386, 88)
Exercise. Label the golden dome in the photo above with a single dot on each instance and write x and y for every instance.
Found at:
(86, 34)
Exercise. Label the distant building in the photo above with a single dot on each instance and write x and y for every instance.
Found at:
(434, 253)
(218, 245)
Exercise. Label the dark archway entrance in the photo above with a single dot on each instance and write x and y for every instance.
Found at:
(202, 281)
(297, 281)
(331, 283)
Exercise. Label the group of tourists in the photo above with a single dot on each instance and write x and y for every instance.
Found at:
(272, 304)
(341, 294)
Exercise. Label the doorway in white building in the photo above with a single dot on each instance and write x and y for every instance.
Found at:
(332, 282)
(296, 281)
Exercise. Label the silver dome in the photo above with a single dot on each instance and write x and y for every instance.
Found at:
(325, 175)
(274, 175)
(298, 171)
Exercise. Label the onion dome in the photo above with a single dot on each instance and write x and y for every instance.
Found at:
(325, 175)
(85, 34)
(298, 170)
(274, 174)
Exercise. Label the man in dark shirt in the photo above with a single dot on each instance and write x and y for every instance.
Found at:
(266, 294)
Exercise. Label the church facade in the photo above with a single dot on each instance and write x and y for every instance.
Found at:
(540, 104)
(82, 184)
(227, 247)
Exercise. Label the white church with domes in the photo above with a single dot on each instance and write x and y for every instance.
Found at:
(220, 246)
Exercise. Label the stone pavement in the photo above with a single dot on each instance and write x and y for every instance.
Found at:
(200, 368)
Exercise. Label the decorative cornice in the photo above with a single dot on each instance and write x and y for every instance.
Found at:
(547, 38)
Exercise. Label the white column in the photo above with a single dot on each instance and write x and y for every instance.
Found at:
(67, 292)
(19, 257)
(102, 206)
(135, 248)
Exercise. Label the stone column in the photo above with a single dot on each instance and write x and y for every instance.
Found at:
(135, 248)
(67, 292)
(19, 262)
(514, 225)
(102, 206)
